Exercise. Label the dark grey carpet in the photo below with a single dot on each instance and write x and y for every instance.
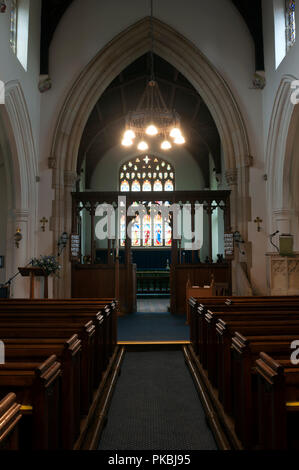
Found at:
(155, 406)
(153, 327)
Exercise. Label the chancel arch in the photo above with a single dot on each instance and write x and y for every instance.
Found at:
(93, 81)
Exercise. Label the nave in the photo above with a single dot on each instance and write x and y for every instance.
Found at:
(67, 383)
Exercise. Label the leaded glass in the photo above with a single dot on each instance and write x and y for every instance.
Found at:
(124, 187)
(168, 185)
(167, 234)
(147, 231)
(135, 186)
(123, 231)
(158, 237)
(147, 173)
(146, 186)
(136, 235)
(158, 186)
(13, 25)
(290, 22)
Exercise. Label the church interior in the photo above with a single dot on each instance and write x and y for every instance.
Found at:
(149, 231)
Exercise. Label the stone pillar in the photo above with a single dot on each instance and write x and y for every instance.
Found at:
(20, 286)
(232, 181)
(283, 220)
(62, 212)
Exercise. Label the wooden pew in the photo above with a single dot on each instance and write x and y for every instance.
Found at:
(10, 415)
(37, 387)
(232, 320)
(33, 329)
(69, 354)
(225, 331)
(105, 339)
(245, 351)
(55, 319)
(278, 403)
(256, 308)
(199, 307)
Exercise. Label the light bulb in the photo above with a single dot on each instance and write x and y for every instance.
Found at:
(179, 140)
(166, 145)
(175, 133)
(129, 135)
(151, 130)
(142, 145)
(127, 142)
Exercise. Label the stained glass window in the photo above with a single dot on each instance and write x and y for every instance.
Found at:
(146, 186)
(147, 173)
(136, 234)
(158, 186)
(146, 170)
(169, 185)
(124, 186)
(290, 23)
(135, 186)
(123, 231)
(167, 234)
(158, 235)
(147, 231)
(13, 25)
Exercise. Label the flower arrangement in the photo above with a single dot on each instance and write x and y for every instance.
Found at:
(48, 263)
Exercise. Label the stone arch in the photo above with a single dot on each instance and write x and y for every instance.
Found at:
(281, 160)
(21, 171)
(98, 74)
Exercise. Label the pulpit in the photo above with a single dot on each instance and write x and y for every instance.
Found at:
(32, 272)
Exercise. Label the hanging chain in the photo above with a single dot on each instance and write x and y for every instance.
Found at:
(152, 43)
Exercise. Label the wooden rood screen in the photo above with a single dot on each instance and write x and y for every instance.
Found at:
(93, 270)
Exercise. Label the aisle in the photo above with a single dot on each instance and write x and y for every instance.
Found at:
(155, 406)
(156, 324)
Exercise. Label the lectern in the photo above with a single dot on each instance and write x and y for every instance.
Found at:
(33, 272)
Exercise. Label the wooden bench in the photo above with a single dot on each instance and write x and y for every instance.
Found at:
(225, 331)
(69, 354)
(105, 327)
(37, 388)
(222, 311)
(10, 415)
(232, 320)
(245, 351)
(278, 403)
(86, 332)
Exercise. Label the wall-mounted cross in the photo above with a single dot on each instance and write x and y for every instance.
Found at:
(44, 221)
(258, 221)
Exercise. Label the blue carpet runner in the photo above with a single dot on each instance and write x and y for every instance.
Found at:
(155, 406)
(153, 327)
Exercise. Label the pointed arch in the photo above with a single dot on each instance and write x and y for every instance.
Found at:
(99, 73)
(280, 157)
(21, 170)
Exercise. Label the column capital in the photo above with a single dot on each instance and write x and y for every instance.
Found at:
(231, 176)
(22, 215)
(70, 178)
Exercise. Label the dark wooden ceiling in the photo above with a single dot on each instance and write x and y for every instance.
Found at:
(53, 10)
(106, 123)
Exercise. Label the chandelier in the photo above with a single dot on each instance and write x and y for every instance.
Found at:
(152, 118)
